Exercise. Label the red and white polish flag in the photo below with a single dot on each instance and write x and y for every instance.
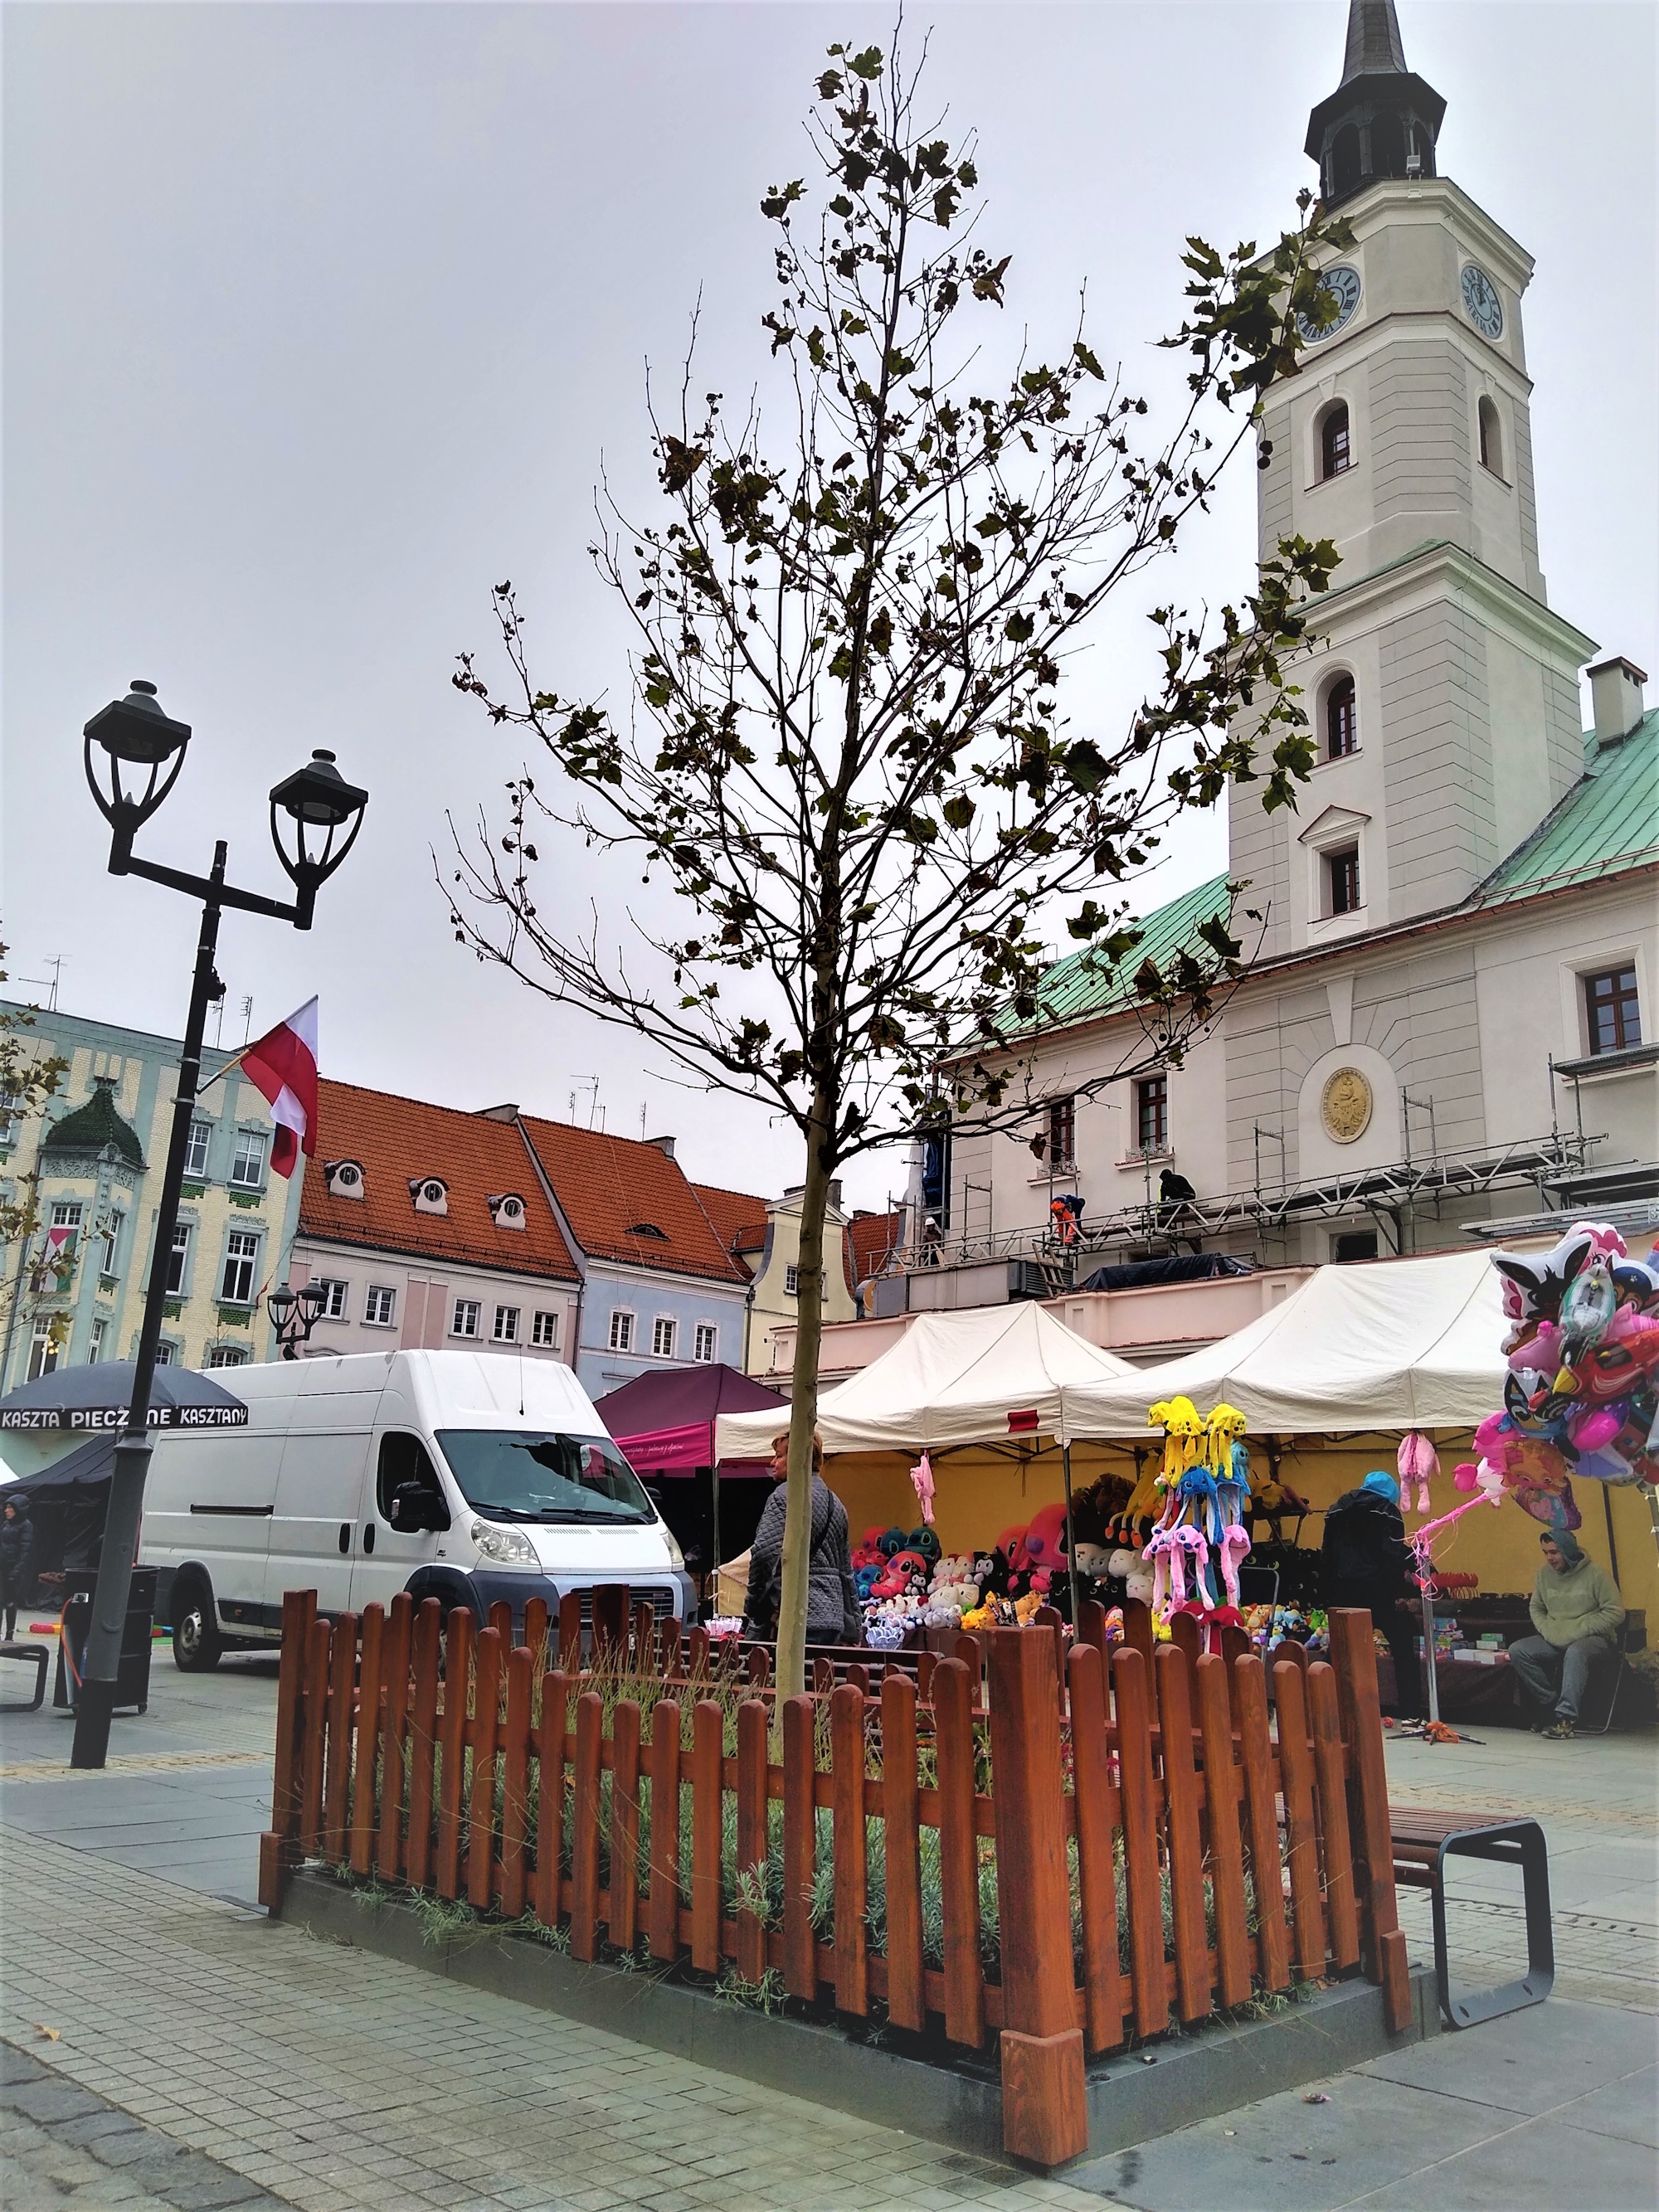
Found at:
(283, 1066)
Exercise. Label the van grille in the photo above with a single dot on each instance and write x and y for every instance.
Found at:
(661, 1601)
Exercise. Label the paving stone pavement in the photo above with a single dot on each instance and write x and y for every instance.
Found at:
(343, 2083)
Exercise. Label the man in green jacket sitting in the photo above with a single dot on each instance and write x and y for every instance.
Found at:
(1575, 1610)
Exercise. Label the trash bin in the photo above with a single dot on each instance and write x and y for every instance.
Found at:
(132, 1669)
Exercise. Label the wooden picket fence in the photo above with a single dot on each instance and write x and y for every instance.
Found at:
(1064, 1848)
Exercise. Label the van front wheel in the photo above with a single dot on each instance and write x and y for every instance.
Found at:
(197, 1644)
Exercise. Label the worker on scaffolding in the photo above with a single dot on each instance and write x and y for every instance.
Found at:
(1175, 1195)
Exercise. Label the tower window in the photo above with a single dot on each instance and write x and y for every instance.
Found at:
(1153, 1114)
(1613, 1010)
(1062, 1132)
(1491, 438)
(1342, 870)
(1333, 449)
(1341, 720)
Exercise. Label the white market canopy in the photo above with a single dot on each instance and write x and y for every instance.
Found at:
(952, 1378)
(1390, 1344)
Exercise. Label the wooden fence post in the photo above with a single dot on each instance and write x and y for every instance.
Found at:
(276, 1844)
(1355, 1657)
(1045, 2114)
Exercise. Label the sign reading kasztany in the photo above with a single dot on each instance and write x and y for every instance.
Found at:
(93, 1418)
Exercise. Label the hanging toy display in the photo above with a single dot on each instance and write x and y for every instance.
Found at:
(1202, 1535)
(1417, 1461)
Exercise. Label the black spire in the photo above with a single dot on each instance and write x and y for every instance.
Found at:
(1380, 121)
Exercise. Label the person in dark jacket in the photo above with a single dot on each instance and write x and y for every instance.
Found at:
(832, 1613)
(16, 1558)
(1365, 1563)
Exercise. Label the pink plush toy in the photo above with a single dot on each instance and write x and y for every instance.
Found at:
(1045, 1540)
(1417, 1461)
(1234, 1543)
(922, 1480)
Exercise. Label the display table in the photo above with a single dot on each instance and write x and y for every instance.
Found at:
(1469, 1689)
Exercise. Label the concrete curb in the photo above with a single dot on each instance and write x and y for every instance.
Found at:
(949, 2099)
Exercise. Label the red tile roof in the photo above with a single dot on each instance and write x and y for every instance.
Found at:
(873, 1238)
(617, 1191)
(396, 1139)
(738, 1217)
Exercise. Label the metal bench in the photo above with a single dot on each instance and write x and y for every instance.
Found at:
(39, 1653)
(1422, 1843)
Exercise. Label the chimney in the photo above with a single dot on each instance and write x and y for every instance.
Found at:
(1616, 698)
(664, 1145)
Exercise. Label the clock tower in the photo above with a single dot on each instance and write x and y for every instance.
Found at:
(1443, 691)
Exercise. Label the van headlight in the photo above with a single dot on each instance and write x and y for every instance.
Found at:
(675, 1557)
(504, 1548)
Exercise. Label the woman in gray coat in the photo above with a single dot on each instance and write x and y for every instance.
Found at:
(832, 1613)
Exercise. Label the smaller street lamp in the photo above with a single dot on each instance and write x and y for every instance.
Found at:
(133, 755)
(295, 1314)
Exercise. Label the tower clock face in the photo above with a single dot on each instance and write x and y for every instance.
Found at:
(1342, 282)
(1481, 301)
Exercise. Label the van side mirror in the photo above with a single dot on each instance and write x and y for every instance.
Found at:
(416, 1509)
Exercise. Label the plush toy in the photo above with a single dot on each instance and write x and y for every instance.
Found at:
(921, 1481)
(1417, 1461)
(1045, 1540)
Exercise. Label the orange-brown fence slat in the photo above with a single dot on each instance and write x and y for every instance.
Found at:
(535, 1631)
(368, 1740)
(459, 1637)
(549, 1807)
(389, 1835)
(481, 1804)
(1235, 1645)
(1102, 1989)
(342, 1727)
(1187, 1637)
(751, 1833)
(610, 1602)
(1130, 1676)
(279, 1843)
(1261, 1820)
(958, 1853)
(644, 1635)
(500, 1619)
(422, 1743)
(757, 1667)
(624, 1824)
(847, 1755)
(1226, 1855)
(585, 1826)
(1139, 1635)
(824, 1677)
(696, 1654)
(1296, 1775)
(515, 1781)
(926, 1663)
(801, 1974)
(858, 1677)
(708, 1732)
(906, 2001)
(1186, 1849)
(1341, 1904)
(663, 1912)
(313, 1739)
(1091, 1624)
(668, 1648)
(1355, 1658)
(570, 1631)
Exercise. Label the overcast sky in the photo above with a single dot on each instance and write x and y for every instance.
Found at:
(319, 320)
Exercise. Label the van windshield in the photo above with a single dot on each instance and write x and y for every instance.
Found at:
(530, 1474)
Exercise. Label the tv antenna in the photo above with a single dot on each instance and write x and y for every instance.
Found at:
(55, 962)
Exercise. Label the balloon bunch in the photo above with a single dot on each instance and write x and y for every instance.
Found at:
(1580, 1398)
(1204, 1484)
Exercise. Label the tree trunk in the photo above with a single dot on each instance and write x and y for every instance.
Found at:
(803, 1409)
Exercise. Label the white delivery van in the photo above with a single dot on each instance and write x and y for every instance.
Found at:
(460, 1475)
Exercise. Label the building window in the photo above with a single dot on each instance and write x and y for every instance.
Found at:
(1491, 438)
(545, 1331)
(167, 1354)
(1354, 1244)
(506, 1325)
(621, 1330)
(10, 1106)
(247, 1168)
(380, 1305)
(196, 1151)
(66, 1213)
(44, 1351)
(1615, 1018)
(664, 1332)
(241, 1257)
(177, 1258)
(1062, 1132)
(464, 1320)
(1342, 873)
(1341, 720)
(110, 1237)
(334, 1299)
(226, 1355)
(792, 1282)
(1334, 454)
(95, 1342)
(1153, 1114)
(705, 1344)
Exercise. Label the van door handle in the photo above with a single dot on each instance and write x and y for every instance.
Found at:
(369, 1536)
(346, 1538)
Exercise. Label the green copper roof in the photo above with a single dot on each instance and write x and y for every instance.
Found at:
(1085, 987)
(1609, 822)
(94, 1125)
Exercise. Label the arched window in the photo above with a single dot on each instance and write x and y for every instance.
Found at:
(1388, 146)
(1491, 438)
(1334, 450)
(1341, 720)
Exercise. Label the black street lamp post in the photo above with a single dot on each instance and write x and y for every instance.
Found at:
(141, 746)
(295, 1314)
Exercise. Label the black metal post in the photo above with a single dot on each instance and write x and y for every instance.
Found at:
(126, 1489)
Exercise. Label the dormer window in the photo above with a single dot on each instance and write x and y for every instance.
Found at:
(430, 1194)
(344, 1178)
(507, 1210)
(1334, 452)
(648, 1229)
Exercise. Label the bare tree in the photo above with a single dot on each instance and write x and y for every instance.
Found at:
(845, 752)
(27, 1079)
